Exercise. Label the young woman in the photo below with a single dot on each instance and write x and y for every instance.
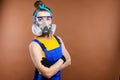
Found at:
(47, 50)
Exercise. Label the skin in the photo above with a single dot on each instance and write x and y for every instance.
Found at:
(36, 53)
(43, 13)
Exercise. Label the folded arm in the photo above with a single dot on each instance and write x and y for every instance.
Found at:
(66, 55)
(36, 55)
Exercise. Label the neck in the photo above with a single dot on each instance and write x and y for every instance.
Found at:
(48, 37)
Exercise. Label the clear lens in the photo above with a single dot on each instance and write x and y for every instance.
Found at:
(40, 18)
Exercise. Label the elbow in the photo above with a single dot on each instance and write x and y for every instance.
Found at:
(48, 75)
(69, 62)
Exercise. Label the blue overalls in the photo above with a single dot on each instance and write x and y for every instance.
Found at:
(52, 56)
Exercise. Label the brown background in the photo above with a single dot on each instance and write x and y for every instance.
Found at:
(89, 29)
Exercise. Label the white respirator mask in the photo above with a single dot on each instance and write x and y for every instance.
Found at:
(43, 29)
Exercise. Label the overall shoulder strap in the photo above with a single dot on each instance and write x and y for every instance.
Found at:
(57, 39)
(41, 44)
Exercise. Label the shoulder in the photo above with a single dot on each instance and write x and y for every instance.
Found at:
(34, 45)
(59, 38)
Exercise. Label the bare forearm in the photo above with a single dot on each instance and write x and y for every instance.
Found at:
(66, 64)
(56, 67)
(51, 71)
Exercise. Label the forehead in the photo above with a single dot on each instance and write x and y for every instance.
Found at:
(43, 13)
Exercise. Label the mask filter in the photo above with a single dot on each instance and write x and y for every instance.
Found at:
(43, 29)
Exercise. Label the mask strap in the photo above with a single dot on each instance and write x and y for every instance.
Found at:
(42, 6)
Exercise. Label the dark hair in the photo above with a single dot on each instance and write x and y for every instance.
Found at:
(37, 3)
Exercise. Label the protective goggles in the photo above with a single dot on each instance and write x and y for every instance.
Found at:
(40, 18)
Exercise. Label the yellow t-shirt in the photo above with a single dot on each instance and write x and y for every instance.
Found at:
(49, 44)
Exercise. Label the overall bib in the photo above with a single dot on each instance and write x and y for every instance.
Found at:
(52, 55)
